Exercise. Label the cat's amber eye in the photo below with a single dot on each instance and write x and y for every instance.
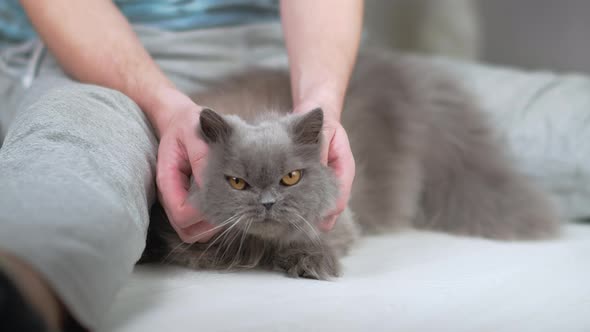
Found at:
(291, 179)
(237, 183)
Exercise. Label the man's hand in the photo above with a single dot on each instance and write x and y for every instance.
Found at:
(337, 155)
(182, 153)
(322, 39)
(122, 63)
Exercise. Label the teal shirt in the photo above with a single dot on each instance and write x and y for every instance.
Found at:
(164, 14)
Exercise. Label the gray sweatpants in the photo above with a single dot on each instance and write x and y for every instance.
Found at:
(77, 164)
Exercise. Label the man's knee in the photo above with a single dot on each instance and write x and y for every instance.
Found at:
(85, 104)
(61, 111)
(79, 131)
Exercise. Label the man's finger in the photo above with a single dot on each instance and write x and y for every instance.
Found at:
(327, 224)
(173, 185)
(199, 232)
(341, 161)
(197, 151)
(326, 146)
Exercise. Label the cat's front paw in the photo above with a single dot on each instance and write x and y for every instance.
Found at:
(298, 263)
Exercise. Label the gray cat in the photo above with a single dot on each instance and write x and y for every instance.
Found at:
(426, 158)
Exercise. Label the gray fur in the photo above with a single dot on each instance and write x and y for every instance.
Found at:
(426, 158)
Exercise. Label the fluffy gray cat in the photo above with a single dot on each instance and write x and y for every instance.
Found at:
(426, 158)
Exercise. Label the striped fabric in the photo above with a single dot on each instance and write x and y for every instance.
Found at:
(165, 14)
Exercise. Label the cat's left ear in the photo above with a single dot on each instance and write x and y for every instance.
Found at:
(307, 128)
(214, 129)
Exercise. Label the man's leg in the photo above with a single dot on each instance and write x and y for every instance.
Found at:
(77, 165)
(77, 178)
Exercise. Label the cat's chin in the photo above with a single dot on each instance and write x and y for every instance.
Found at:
(267, 229)
(270, 229)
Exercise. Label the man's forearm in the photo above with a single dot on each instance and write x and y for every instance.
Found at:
(322, 40)
(94, 43)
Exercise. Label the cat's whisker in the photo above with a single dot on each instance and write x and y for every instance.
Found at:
(219, 237)
(237, 255)
(230, 249)
(227, 221)
(165, 260)
(305, 232)
(314, 231)
(308, 224)
(244, 235)
(189, 245)
(317, 240)
(254, 260)
(225, 244)
(219, 255)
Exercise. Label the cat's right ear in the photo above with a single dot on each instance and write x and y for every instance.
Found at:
(307, 128)
(214, 129)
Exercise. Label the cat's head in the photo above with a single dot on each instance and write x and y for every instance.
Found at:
(266, 178)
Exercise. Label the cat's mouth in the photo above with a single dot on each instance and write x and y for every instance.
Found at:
(272, 229)
(266, 228)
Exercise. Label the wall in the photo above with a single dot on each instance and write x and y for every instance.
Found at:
(538, 34)
(552, 34)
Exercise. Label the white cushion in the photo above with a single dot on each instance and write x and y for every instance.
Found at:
(545, 119)
(415, 281)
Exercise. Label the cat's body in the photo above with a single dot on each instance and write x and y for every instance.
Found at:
(425, 155)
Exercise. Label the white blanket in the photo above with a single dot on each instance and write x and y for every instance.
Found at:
(419, 281)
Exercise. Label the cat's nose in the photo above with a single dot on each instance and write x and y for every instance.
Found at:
(268, 205)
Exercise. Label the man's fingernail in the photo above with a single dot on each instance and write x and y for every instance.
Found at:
(201, 237)
(199, 232)
(327, 225)
(205, 238)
